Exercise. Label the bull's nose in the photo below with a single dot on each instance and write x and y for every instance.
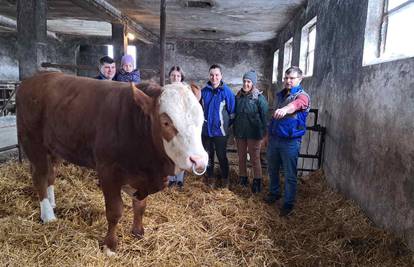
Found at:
(199, 166)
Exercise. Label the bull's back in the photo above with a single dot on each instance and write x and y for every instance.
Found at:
(59, 112)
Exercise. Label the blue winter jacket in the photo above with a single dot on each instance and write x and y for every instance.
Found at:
(219, 109)
(292, 125)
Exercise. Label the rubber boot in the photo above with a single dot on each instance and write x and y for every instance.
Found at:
(257, 185)
(243, 181)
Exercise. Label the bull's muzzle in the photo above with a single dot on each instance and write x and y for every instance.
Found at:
(198, 165)
(199, 173)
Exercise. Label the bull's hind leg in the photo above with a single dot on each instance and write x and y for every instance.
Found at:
(139, 209)
(42, 171)
(53, 161)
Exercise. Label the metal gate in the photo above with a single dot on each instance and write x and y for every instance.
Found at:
(7, 108)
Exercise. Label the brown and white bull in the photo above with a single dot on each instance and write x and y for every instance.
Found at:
(133, 137)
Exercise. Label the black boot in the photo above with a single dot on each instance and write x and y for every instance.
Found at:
(243, 181)
(257, 185)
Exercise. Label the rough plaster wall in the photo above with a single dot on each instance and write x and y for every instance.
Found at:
(368, 112)
(195, 57)
(58, 51)
(9, 68)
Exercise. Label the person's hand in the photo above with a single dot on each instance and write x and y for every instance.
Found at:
(279, 113)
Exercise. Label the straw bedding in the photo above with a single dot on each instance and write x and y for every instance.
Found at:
(196, 226)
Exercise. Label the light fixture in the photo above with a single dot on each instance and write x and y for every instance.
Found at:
(130, 36)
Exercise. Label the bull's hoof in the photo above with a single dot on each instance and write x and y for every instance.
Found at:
(46, 211)
(108, 252)
(138, 233)
(49, 219)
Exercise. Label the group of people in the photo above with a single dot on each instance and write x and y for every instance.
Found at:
(246, 112)
(127, 72)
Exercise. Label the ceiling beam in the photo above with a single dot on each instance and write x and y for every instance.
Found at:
(12, 25)
(116, 15)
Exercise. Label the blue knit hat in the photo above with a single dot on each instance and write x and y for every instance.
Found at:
(127, 59)
(251, 75)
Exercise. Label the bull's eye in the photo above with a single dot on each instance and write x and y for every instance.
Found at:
(166, 124)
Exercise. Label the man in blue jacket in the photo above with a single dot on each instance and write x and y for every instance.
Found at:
(286, 128)
(219, 106)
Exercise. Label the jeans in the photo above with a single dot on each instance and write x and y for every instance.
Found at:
(218, 145)
(283, 153)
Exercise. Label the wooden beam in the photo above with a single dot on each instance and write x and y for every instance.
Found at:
(116, 15)
(162, 41)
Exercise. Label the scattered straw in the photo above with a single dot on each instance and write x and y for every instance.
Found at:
(197, 226)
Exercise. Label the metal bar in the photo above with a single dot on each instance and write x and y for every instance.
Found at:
(67, 66)
(162, 41)
(8, 100)
(389, 12)
(2, 149)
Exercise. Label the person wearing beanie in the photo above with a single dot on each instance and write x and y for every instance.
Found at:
(128, 73)
(249, 129)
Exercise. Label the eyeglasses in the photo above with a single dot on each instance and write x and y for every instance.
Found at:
(290, 78)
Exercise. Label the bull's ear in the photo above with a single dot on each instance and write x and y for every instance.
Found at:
(145, 102)
(196, 91)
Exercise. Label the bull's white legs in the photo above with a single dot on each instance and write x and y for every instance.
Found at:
(51, 195)
(46, 211)
(108, 252)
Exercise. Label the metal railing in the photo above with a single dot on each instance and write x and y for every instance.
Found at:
(8, 107)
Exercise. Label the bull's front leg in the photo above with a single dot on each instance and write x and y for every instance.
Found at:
(114, 209)
(138, 207)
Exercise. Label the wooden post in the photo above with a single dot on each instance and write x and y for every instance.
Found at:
(162, 41)
(31, 36)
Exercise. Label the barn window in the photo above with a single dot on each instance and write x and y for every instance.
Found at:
(287, 55)
(307, 47)
(131, 50)
(387, 35)
(275, 66)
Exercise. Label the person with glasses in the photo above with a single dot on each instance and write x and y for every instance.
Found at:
(285, 131)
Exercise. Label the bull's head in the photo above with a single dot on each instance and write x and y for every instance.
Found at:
(181, 119)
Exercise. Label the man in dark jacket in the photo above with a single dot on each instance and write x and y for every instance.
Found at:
(107, 69)
(285, 132)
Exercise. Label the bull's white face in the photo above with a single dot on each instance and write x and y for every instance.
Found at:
(181, 123)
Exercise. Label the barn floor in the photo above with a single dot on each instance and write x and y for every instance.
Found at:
(197, 226)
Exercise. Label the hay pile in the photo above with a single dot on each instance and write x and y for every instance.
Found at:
(193, 227)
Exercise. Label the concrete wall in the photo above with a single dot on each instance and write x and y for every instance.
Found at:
(61, 51)
(9, 68)
(195, 58)
(368, 112)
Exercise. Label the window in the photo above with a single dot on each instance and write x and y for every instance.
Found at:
(287, 55)
(307, 47)
(387, 31)
(275, 66)
(131, 50)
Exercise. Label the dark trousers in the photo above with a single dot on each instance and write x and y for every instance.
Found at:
(217, 144)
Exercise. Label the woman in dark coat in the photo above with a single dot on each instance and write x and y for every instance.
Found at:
(249, 129)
